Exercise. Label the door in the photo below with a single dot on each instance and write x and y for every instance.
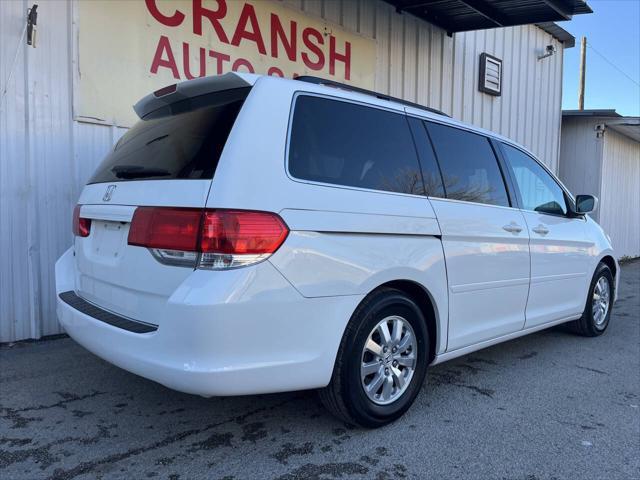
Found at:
(485, 241)
(558, 242)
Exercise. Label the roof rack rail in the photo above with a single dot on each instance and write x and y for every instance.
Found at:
(381, 96)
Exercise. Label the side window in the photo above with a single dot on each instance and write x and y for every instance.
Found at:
(538, 190)
(430, 172)
(469, 166)
(348, 144)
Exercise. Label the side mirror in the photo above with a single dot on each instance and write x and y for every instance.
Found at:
(585, 204)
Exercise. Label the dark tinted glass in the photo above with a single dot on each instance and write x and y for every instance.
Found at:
(538, 190)
(430, 171)
(180, 141)
(469, 167)
(347, 144)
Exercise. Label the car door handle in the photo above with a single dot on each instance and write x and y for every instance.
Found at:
(540, 230)
(512, 228)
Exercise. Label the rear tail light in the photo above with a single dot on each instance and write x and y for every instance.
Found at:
(166, 228)
(81, 226)
(210, 239)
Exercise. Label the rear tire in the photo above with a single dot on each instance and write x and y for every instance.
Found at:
(597, 311)
(372, 389)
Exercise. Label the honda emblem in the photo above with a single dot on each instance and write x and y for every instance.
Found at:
(109, 193)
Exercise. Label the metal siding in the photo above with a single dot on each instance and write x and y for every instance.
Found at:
(580, 157)
(382, 31)
(46, 157)
(608, 167)
(15, 298)
(409, 58)
(620, 196)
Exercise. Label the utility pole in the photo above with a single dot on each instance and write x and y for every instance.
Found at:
(583, 67)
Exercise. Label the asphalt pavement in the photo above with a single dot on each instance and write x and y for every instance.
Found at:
(547, 406)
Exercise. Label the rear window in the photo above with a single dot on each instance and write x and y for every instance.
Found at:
(183, 140)
(347, 144)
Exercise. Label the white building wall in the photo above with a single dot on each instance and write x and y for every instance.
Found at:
(620, 193)
(581, 156)
(46, 157)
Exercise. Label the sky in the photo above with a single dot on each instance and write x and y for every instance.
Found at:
(612, 30)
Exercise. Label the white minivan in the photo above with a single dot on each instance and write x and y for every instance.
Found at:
(254, 234)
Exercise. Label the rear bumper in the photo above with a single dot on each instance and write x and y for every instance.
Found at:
(235, 332)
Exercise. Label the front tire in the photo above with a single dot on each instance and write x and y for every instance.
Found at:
(597, 311)
(381, 362)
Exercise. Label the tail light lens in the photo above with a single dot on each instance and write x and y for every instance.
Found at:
(211, 239)
(165, 228)
(235, 238)
(81, 226)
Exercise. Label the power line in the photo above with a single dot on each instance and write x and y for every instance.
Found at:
(613, 64)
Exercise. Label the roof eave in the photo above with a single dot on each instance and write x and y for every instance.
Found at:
(559, 33)
(605, 113)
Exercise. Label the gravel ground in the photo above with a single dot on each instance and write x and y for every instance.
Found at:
(547, 406)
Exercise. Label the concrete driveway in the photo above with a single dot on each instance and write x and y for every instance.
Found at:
(547, 406)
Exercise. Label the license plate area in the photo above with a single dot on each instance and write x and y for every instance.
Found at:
(109, 239)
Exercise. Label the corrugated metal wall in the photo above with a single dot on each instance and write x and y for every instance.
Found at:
(581, 156)
(620, 193)
(607, 166)
(45, 157)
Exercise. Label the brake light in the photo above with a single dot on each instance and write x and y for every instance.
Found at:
(165, 228)
(81, 226)
(212, 239)
(242, 232)
(166, 90)
(235, 238)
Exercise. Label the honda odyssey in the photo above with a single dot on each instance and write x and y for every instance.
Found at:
(255, 234)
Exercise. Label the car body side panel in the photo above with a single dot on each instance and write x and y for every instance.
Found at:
(560, 267)
(600, 247)
(360, 222)
(488, 270)
(323, 264)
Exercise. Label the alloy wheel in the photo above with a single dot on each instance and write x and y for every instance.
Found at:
(388, 360)
(600, 302)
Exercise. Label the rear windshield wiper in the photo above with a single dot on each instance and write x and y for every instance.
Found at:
(161, 137)
(135, 171)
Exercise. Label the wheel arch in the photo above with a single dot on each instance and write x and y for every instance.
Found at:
(610, 262)
(427, 305)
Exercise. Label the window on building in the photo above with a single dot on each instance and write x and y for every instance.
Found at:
(538, 190)
(348, 144)
(469, 166)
